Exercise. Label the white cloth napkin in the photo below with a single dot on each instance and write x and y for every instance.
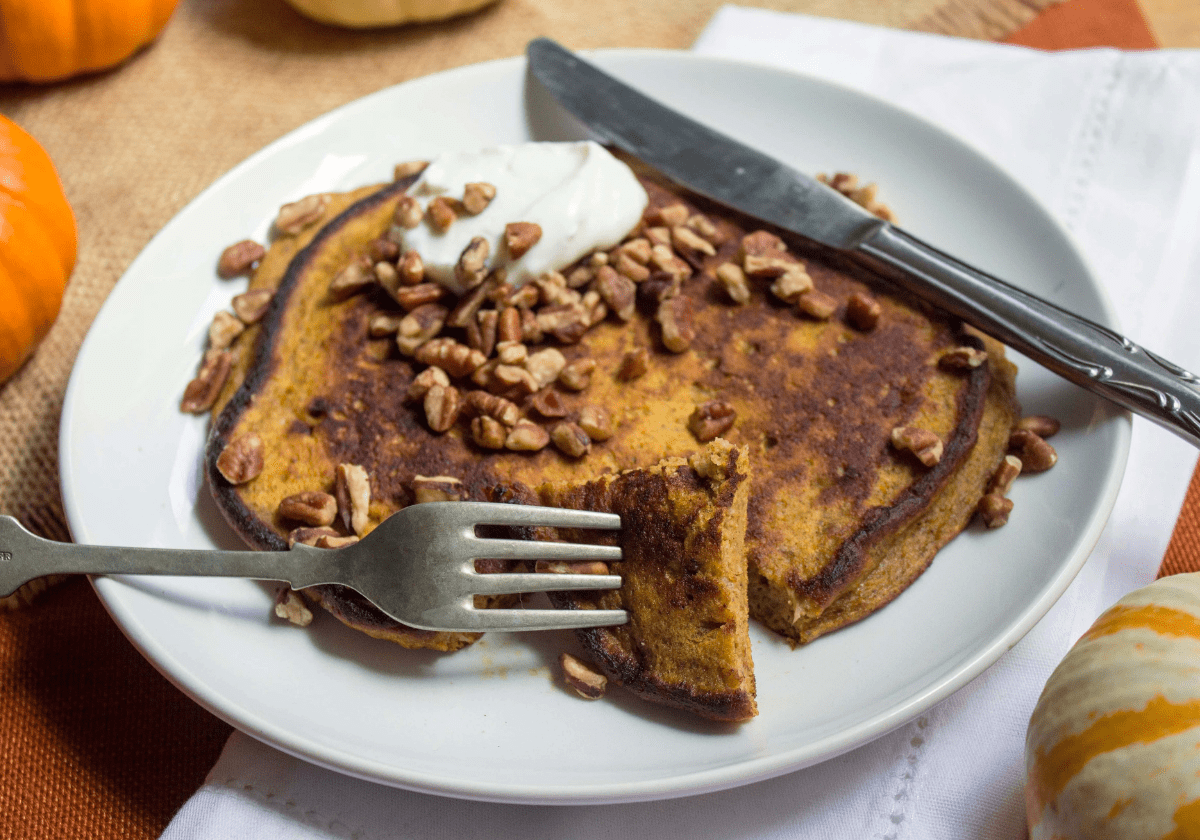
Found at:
(1110, 142)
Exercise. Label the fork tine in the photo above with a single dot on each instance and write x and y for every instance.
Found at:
(495, 513)
(539, 550)
(509, 583)
(520, 620)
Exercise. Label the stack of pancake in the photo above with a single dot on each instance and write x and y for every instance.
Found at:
(836, 521)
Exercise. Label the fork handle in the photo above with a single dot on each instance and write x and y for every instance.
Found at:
(1079, 350)
(24, 556)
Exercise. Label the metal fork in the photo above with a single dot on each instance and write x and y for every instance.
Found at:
(418, 566)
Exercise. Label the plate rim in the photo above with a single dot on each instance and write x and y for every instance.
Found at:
(693, 783)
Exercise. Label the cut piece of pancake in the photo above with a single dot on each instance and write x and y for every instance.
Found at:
(683, 581)
(839, 521)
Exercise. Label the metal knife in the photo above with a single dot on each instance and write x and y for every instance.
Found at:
(731, 173)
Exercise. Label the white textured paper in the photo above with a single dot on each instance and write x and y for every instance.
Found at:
(1110, 142)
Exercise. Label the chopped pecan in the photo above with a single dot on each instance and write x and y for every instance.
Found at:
(239, 258)
(512, 379)
(924, 444)
(508, 327)
(252, 305)
(672, 215)
(442, 407)
(760, 243)
(994, 510)
(581, 276)
(526, 437)
(469, 304)
(408, 168)
(1001, 481)
(310, 508)
(411, 269)
(817, 304)
(471, 268)
(551, 287)
(578, 374)
(456, 359)
(334, 541)
(1040, 424)
(1036, 455)
(545, 366)
(496, 407)
(637, 250)
(626, 266)
(483, 336)
(511, 352)
(382, 249)
(409, 212)
(790, 285)
(962, 358)
(596, 421)
(733, 279)
(309, 536)
(297, 215)
(685, 239)
(223, 330)
(634, 364)
(437, 488)
(351, 280)
(383, 324)
(711, 419)
(581, 679)
(419, 326)
(352, 487)
(531, 333)
(519, 237)
(571, 439)
(442, 212)
(488, 432)
(616, 290)
(863, 311)
(662, 258)
(202, 392)
(548, 404)
(566, 322)
(242, 459)
(477, 196)
(658, 235)
(706, 228)
(571, 567)
(291, 608)
(425, 380)
(678, 323)
(410, 297)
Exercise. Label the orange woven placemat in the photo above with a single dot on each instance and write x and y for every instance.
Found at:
(93, 742)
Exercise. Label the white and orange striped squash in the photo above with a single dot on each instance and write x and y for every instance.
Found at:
(1113, 747)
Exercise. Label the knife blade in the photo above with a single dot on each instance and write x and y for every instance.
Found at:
(729, 172)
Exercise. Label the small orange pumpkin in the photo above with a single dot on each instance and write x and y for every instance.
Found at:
(1113, 748)
(47, 40)
(37, 245)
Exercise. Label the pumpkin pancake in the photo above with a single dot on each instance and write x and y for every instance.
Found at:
(683, 581)
(839, 520)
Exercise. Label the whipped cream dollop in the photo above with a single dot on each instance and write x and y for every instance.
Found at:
(581, 196)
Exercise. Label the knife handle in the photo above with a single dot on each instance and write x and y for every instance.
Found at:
(1081, 351)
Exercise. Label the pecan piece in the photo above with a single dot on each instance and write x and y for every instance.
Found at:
(242, 459)
(1001, 481)
(617, 291)
(1040, 424)
(519, 237)
(411, 268)
(1036, 455)
(477, 196)
(426, 379)
(471, 268)
(409, 212)
(685, 239)
(577, 376)
(309, 536)
(382, 249)
(596, 421)
(239, 258)
(662, 258)
(488, 432)
(548, 404)
(527, 437)
(571, 440)
(408, 168)
(634, 364)
(733, 280)
(351, 280)
(311, 507)
(383, 324)
(352, 487)
(711, 419)
(924, 444)
(223, 330)
(581, 679)
(571, 567)
(994, 510)
(442, 212)
(675, 317)
(252, 305)
(202, 392)
(410, 297)
(297, 215)
(419, 326)
(512, 353)
(437, 488)
(496, 407)
(626, 266)
(790, 285)
(508, 327)
(290, 607)
(816, 304)
(863, 311)
(456, 359)
(963, 358)
(442, 407)
(545, 366)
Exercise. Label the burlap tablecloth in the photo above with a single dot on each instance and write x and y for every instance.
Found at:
(93, 742)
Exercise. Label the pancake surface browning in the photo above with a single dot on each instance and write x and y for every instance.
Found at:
(683, 581)
(839, 521)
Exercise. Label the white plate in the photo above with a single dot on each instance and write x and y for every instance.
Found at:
(491, 722)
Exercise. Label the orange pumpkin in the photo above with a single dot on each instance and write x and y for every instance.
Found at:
(1113, 748)
(46, 40)
(37, 245)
